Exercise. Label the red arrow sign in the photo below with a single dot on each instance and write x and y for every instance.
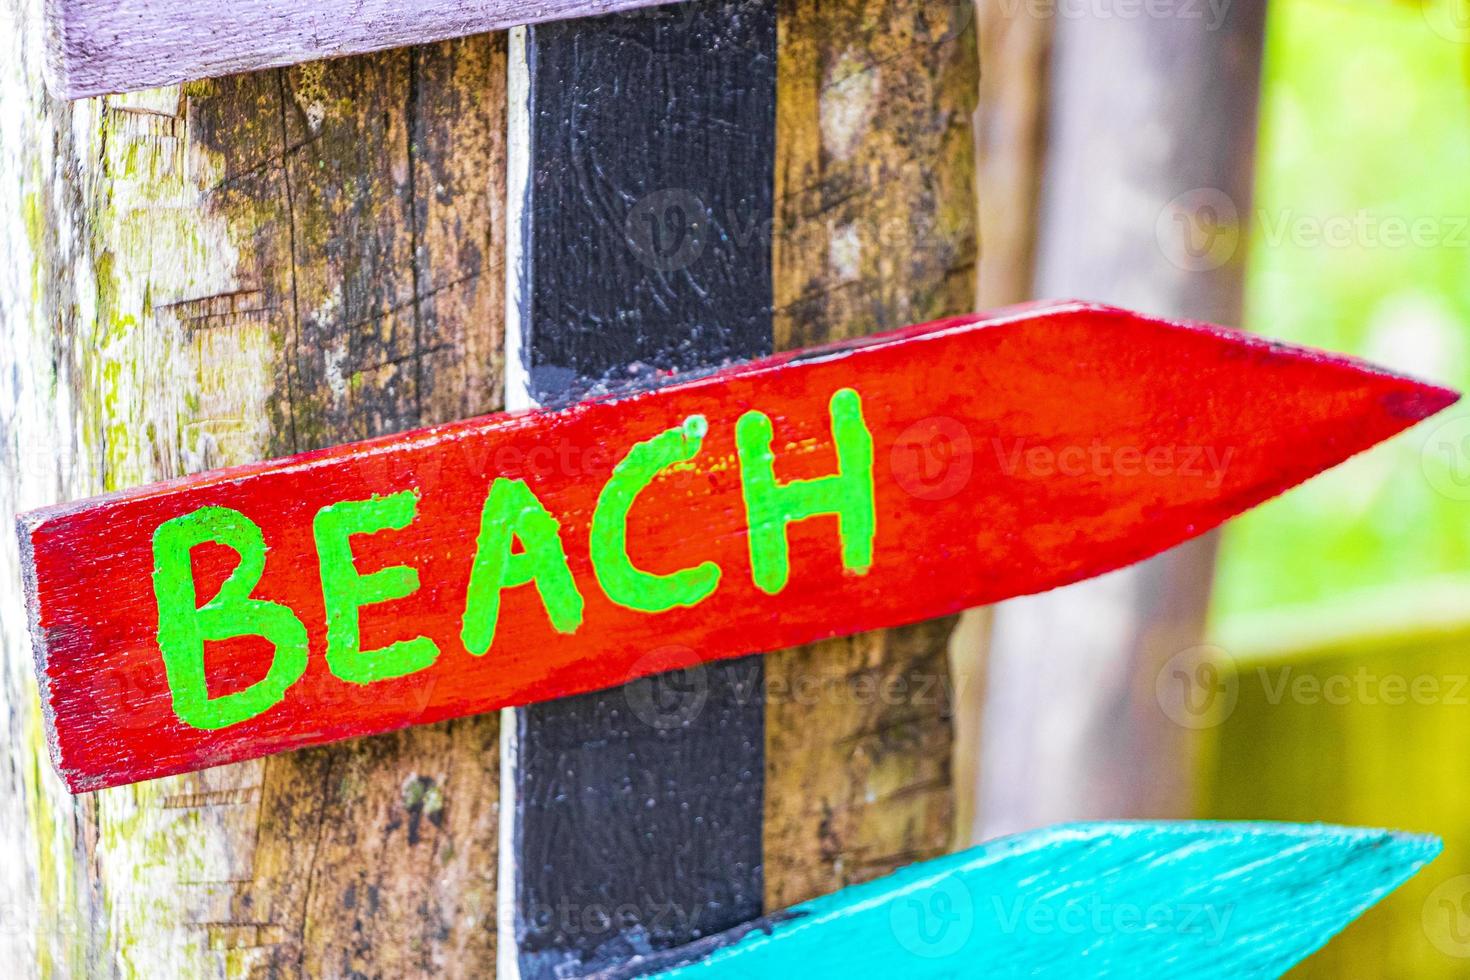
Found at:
(517, 558)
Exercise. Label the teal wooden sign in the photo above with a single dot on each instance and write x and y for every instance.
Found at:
(1156, 900)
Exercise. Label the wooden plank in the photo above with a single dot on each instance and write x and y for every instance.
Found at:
(1190, 899)
(174, 232)
(1079, 461)
(390, 297)
(1090, 742)
(875, 228)
(97, 47)
(41, 825)
(633, 815)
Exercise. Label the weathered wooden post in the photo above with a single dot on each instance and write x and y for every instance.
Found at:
(215, 273)
(297, 257)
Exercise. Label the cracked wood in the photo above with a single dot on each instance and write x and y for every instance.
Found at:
(191, 243)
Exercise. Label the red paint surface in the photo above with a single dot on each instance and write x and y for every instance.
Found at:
(1013, 454)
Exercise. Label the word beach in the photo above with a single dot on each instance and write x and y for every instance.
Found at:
(516, 558)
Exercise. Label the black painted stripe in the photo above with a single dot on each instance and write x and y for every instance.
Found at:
(646, 250)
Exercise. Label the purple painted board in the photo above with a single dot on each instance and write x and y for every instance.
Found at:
(98, 47)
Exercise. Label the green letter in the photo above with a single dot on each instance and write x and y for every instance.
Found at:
(512, 510)
(770, 506)
(624, 584)
(345, 591)
(183, 626)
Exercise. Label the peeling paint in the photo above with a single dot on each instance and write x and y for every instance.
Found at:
(848, 99)
(845, 253)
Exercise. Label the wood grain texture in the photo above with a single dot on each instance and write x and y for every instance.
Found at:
(50, 905)
(97, 47)
(638, 813)
(1111, 900)
(195, 238)
(1144, 206)
(1073, 458)
(875, 227)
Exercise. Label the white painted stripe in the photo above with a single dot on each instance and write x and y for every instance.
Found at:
(517, 396)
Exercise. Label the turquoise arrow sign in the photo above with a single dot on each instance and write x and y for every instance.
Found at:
(1100, 900)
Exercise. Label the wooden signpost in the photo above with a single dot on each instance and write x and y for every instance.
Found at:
(518, 558)
(669, 497)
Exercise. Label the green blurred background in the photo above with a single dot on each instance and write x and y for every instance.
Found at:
(1342, 610)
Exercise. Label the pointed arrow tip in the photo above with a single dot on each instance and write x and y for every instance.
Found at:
(1117, 899)
(1418, 400)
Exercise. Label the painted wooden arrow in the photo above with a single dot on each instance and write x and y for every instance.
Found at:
(518, 558)
(96, 47)
(1156, 900)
